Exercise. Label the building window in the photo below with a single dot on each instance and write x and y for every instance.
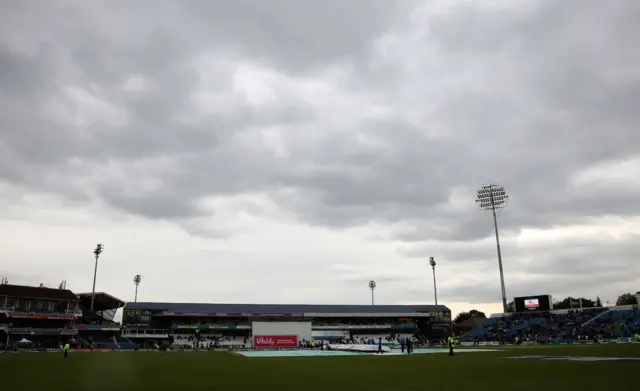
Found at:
(39, 305)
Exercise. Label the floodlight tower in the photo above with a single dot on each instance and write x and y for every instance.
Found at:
(372, 286)
(492, 197)
(432, 262)
(99, 249)
(136, 281)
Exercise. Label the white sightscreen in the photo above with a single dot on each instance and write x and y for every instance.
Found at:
(331, 333)
(300, 329)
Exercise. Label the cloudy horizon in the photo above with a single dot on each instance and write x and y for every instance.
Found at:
(291, 151)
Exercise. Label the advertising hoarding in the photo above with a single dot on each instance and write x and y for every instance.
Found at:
(275, 341)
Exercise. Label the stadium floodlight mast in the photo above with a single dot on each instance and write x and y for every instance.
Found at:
(492, 197)
(432, 262)
(372, 286)
(136, 281)
(99, 249)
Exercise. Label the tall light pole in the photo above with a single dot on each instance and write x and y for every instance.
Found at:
(492, 197)
(99, 249)
(136, 281)
(432, 262)
(372, 286)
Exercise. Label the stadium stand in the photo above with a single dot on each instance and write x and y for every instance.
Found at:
(386, 338)
(37, 317)
(189, 326)
(41, 318)
(623, 322)
(104, 308)
(558, 326)
(96, 328)
(45, 318)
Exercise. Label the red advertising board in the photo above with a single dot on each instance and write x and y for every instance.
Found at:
(275, 341)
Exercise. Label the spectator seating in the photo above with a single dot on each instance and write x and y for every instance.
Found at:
(373, 338)
(36, 341)
(203, 341)
(620, 323)
(540, 327)
(102, 340)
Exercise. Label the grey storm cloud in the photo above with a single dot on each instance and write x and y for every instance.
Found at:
(401, 110)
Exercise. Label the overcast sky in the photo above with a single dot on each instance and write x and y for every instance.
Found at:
(289, 151)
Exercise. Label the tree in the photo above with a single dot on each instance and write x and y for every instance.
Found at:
(562, 304)
(461, 317)
(566, 303)
(626, 299)
(511, 306)
(588, 303)
(464, 316)
(477, 314)
(598, 302)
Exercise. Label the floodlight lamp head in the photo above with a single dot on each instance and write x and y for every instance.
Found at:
(99, 249)
(491, 197)
(137, 279)
(432, 262)
(372, 285)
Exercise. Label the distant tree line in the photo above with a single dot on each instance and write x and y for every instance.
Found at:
(464, 316)
(565, 304)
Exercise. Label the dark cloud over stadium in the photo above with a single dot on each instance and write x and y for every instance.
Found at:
(294, 152)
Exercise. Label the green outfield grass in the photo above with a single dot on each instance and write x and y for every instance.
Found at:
(156, 371)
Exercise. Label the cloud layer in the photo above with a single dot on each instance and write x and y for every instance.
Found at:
(371, 122)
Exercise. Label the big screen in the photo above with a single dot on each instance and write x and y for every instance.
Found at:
(533, 303)
(139, 317)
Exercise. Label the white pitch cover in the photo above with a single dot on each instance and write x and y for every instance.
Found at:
(359, 348)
